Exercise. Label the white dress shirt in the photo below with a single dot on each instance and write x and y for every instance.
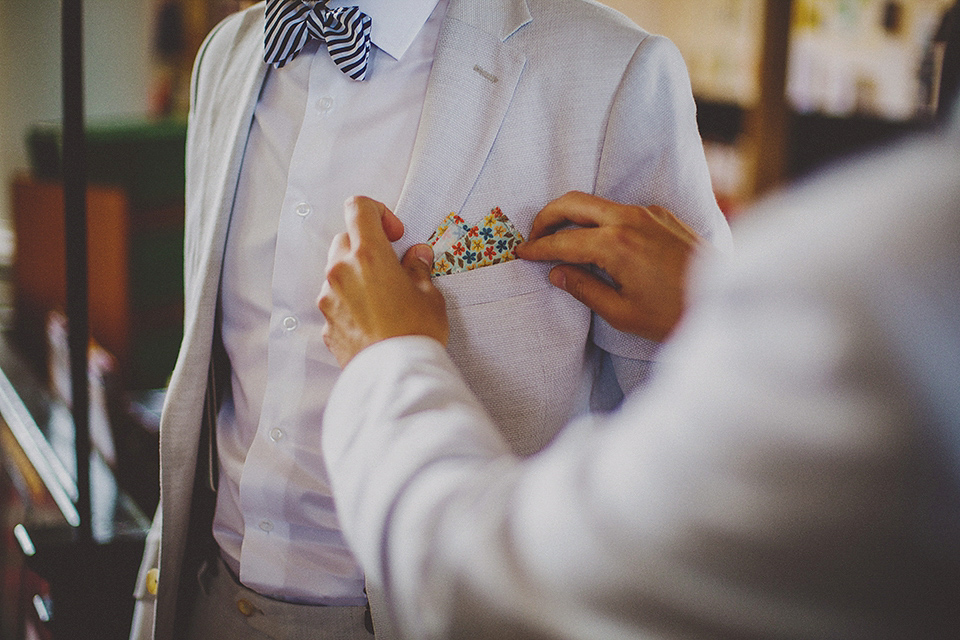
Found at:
(317, 138)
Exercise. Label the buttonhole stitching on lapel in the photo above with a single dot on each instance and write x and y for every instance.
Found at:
(486, 74)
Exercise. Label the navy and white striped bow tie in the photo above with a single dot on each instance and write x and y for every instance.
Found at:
(291, 23)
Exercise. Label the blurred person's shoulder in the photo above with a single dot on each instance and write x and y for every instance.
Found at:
(890, 211)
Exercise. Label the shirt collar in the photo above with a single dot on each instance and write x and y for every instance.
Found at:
(395, 22)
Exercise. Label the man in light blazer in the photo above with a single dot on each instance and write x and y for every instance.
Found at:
(512, 103)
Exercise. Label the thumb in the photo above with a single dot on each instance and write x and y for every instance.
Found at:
(418, 262)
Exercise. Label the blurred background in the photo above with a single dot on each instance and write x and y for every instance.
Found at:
(783, 89)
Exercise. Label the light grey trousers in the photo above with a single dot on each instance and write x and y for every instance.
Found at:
(227, 610)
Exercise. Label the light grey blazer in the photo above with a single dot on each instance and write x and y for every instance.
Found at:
(527, 99)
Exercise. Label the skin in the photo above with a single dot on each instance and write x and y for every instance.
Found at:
(646, 251)
(370, 296)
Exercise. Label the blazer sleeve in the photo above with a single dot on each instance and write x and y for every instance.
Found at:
(201, 80)
(652, 154)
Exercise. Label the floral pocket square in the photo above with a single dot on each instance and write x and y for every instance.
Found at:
(459, 247)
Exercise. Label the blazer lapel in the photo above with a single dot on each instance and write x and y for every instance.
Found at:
(219, 141)
(474, 76)
(221, 146)
(242, 81)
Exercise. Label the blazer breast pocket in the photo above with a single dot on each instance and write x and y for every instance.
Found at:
(521, 346)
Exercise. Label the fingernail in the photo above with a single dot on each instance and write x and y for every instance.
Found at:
(424, 254)
(558, 279)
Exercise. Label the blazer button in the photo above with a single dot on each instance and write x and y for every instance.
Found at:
(246, 608)
(153, 577)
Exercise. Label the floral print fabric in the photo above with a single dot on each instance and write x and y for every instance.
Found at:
(459, 247)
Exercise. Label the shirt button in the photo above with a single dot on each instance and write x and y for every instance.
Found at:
(290, 323)
(266, 525)
(325, 103)
(304, 209)
(276, 435)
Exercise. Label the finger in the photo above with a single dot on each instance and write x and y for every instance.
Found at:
(579, 246)
(392, 225)
(418, 261)
(365, 221)
(669, 221)
(587, 288)
(326, 333)
(331, 338)
(339, 249)
(577, 208)
(325, 300)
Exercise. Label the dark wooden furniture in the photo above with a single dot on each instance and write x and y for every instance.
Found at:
(134, 242)
(53, 587)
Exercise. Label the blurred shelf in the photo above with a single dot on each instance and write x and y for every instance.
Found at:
(55, 586)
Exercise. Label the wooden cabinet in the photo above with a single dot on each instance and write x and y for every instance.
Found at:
(135, 276)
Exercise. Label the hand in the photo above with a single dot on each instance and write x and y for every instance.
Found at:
(369, 295)
(645, 250)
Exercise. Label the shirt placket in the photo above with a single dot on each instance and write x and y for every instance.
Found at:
(303, 240)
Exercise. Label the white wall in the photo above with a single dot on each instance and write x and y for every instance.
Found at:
(117, 39)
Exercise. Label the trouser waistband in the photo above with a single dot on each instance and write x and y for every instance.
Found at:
(227, 610)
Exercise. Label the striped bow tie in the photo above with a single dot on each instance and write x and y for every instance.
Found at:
(291, 23)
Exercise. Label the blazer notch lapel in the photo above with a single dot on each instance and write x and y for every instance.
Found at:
(219, 133)
(518, 15)
(222, 139)
(499, 18)
(471, 86)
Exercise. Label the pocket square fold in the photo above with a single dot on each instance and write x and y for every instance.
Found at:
(459, 247)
